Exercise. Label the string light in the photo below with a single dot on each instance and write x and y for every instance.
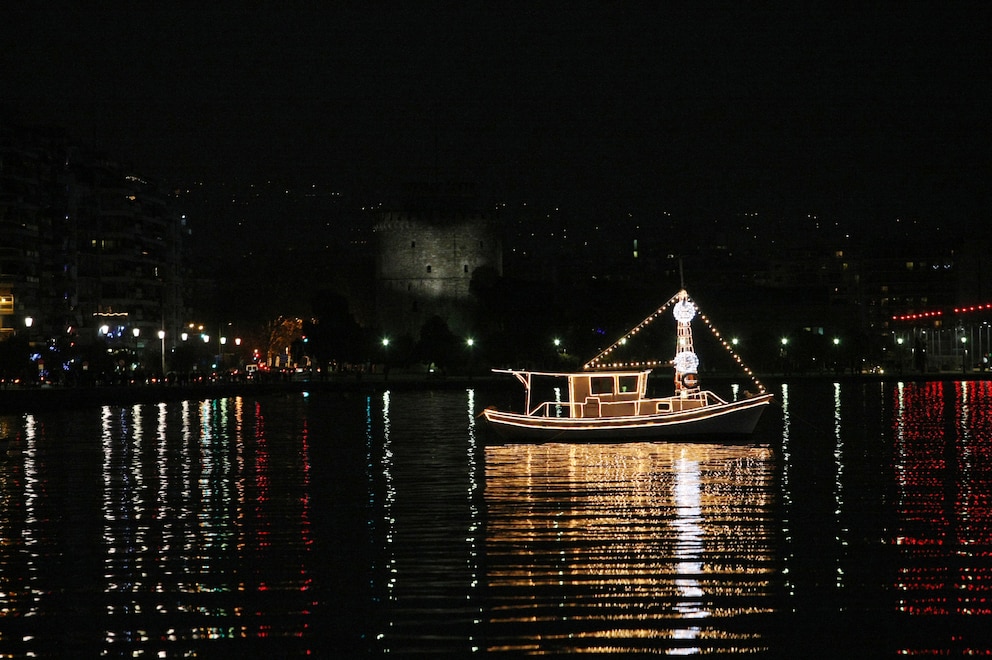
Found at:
(597, 362)
(594, 363)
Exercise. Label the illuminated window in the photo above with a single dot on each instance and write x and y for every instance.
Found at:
(6, 304)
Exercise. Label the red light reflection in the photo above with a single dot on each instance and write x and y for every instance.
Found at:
(944, 488)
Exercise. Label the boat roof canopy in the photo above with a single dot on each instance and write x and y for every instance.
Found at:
(574, 374)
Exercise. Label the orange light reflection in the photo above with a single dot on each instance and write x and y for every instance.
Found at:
(628, 547)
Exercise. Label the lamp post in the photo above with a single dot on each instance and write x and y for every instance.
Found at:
(385, 359)
(161, 336)
(470, 343)
(135, 332)
(964, 354)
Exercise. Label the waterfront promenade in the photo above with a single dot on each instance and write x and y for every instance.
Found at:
(16, 399)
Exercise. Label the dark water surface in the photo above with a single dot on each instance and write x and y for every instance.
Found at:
(856, 522)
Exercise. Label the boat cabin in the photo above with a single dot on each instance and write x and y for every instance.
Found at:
(598, 394)
(607, 394)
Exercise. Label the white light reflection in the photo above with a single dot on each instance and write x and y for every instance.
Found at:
(30, 510)
(380, 516)
(475, 519)
(839, 487)
(790, 586)
(688, 551)
(390, 498)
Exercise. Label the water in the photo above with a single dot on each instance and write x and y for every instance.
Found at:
(855, 522)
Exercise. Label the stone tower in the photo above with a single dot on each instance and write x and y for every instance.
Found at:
(427, 252)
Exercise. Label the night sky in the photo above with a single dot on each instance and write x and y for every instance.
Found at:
(599, 106)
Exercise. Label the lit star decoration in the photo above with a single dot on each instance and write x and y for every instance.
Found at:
(598, 362)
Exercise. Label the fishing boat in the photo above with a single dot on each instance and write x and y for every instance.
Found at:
(607, 401)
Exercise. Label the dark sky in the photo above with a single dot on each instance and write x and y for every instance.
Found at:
(607, 104)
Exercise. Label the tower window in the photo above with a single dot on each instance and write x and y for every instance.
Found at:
(465, 268)
(428, 268)
(413, 244)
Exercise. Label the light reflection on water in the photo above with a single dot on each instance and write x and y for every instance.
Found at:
(856, 522)
(187, 543)
(646, 546)
(943, 467)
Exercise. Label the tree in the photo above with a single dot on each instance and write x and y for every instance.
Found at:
(437, 343)
(335, 335)
(15, 360)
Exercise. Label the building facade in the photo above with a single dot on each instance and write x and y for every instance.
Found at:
(88, 250)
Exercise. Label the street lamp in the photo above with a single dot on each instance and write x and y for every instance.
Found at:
(161, 336)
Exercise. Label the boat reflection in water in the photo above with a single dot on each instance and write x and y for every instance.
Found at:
(655, 547)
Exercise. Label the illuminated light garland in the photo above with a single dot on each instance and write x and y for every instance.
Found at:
(921, 315)
(596, 361)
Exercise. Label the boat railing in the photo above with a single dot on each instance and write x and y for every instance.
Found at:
(594, 407)
(554, 409)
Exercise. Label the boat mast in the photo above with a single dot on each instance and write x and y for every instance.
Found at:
(686, 361)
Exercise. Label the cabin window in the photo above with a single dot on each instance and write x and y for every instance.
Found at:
(601, 385)
(628, 383)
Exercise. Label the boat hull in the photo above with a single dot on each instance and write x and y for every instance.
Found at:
(736, 418)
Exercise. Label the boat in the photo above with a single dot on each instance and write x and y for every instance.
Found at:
(608, 401)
